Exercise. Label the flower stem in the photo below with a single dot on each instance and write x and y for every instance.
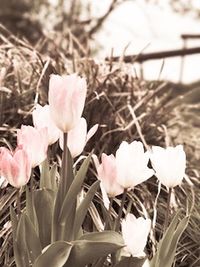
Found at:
(117, 224)
(18, 204)
(64, 166)
(109, 217)
(166, 222)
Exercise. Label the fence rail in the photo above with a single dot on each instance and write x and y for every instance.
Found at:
(156, 55)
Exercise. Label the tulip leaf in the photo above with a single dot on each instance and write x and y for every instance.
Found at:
(30, 209)
(73, 191)
(165, 242)
(18, 259)
(83, 207)
(64, 184)
(66, 175)
(33, 245)
(108, 236)
(93, 246)
(130, 262)
(168, 261)
(54, 255)
(68, 210)
(53, 172)
(21, 247)
(45, 175)
(44, 203)
(165, 254)
(14, 221)
(67, 228)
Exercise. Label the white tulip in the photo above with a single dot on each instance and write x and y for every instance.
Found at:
(135, 232)
(132, 163)
(78, 137)
(169, 164)
(41, 119)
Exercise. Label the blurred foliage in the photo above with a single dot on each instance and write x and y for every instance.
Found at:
(183, 7)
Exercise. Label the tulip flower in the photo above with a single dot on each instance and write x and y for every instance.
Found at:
(169, 164)
(131, 161)
(35, 142)
(107, 174)
(41, 119)
(135, 232)
(66, 100)
(15, 166)
(78, 137)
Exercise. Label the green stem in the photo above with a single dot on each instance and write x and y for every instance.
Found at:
(64, 167)
(117, 225)
(108, 220)
(166, 222)
(18, 204)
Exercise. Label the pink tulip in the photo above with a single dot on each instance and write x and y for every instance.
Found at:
(15, 167)
(42, 118)
(132, 163)
(107, 174)
(135, 232)
(35, 142)
(78, 137)
(66, 100)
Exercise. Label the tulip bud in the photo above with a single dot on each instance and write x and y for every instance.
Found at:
(15, 167)
(35, 142)
(135, 232)
(41, 119)
(78, 137)
(132, 163)
(169, 164)
(66, 100)
(107, 174)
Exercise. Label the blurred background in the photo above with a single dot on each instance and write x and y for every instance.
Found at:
(121, 26)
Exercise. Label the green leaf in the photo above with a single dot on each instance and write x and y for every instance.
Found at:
(74, 190)
(14, 221)
(17, 255)
(168, 261)
(21, 247)
(166, 240)
(66, 179)
(105, 236)
(65, 223)
(83, 207)
(67, 228)
(52, 178)
(92, 247)
(33, 245)
(131, 262)
(45, 175)
(48, 176)
(44, 203)
(165, 254)
(30, 209)
(55, 255)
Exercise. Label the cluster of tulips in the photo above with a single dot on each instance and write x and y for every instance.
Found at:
(49, 122)
(61, 121)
